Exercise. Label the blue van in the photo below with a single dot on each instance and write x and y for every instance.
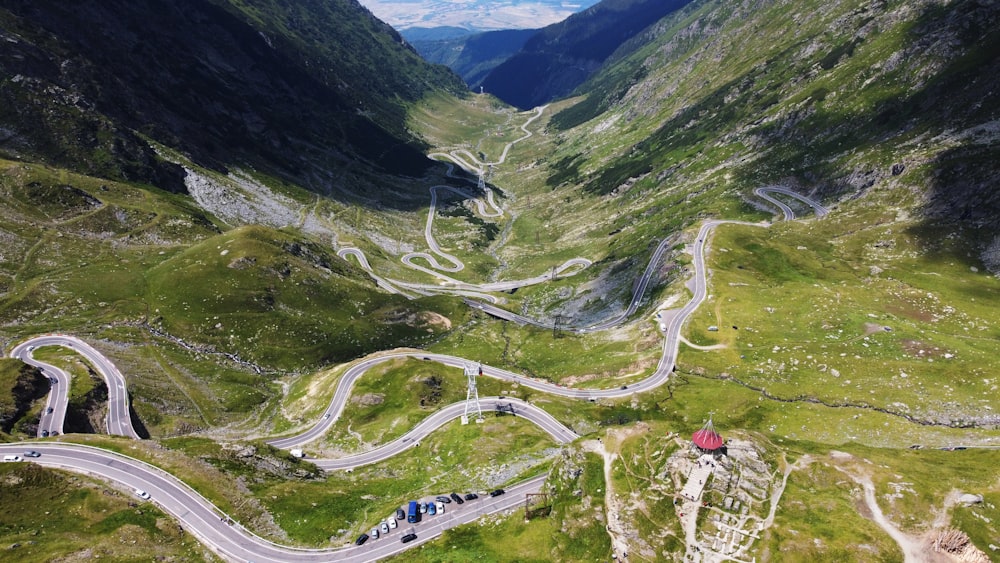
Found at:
(413, 512)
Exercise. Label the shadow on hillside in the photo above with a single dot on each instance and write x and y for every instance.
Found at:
(196, 77)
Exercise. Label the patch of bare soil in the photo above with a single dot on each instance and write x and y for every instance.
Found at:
(615, 507)
(424, 319)
(939, 545)
(430, 318)
(922, 349)
(368, 399)
(872, 328)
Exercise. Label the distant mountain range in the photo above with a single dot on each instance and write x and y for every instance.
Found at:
(475, 15)
(528, 69)
(472, 56)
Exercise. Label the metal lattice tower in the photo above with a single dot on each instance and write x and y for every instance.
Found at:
(472, 394)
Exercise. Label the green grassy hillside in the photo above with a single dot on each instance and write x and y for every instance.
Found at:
(86, 519)
(280, 301)
(216, 314)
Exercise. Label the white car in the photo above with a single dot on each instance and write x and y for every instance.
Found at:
(142, 494)
(440, 507)
(374, 533)
(385, 528)
(392, 522)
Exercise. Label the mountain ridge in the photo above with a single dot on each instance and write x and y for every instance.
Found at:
(560, 57)
(228, 94)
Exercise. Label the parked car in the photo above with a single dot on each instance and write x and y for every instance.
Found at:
(45, 433)
(497, 493)
(423, 508)
(471, 496)
(361, 539)
(391, 522)
(385, 528)
(456, 498)
(443, 499)
(440, 507)
(431, 509)
(142, 494)
(32, 453)
(408, 537)
(400, 514)
(374, 533)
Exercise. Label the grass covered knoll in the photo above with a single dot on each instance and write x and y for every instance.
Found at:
(597, 360)
(280, 301)
(49, 515)
(171, 294)
(391, 398)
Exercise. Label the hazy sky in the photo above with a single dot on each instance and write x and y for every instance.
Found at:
(474, 14)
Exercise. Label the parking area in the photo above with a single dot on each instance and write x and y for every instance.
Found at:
(405, 524)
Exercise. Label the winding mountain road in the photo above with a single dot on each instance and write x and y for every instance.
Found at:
(232, 541)
(453, 264)
(118, 419)
(211, 526)
(642, 283)
(765, 191)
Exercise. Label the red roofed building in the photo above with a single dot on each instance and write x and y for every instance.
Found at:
(707, 439)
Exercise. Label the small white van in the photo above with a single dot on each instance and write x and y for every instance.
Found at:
(12, 458)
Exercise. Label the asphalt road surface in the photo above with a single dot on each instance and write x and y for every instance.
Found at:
(118, 421)
(559, 432)
(230, 540)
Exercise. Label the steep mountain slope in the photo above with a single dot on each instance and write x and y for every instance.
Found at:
(841, 98)
(561, 56)
(303, 92)
(474, 56)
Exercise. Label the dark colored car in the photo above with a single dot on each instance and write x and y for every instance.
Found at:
(444, 499)
(48, 410)
(400, 514)
(45, 433)
(497, 493)
(471, 496)
(361, 539)
(456, 498)
(408, 537)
